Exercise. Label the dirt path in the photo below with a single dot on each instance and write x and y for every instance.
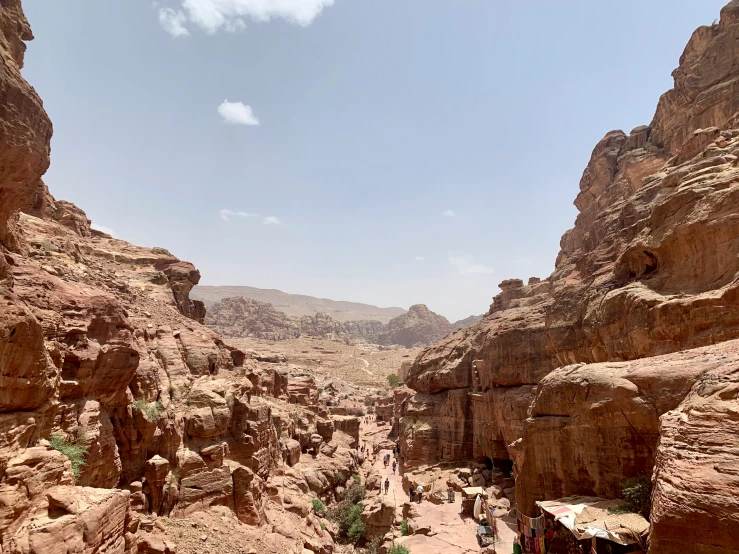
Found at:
(365, 362)
(451, 534)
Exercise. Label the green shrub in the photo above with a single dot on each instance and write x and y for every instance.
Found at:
(393, 380)
(398, 549)
(404, 527)
(323, 526)
(637, 494)
(356, 531)
(340, 477)
(355, 493)
(150, 410)
(348, 516)
(49, 246)
(357, 479)
(76, 450)
(318, 507)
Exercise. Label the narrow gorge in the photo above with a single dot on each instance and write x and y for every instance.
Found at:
(128, 425)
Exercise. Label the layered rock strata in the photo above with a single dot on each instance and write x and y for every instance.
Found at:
(623, 362)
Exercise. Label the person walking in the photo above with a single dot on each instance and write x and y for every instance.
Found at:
(387, 485)
(395, 464)
(419, 492)
(411, 493)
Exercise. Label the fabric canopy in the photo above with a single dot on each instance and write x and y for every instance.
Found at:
(588, 517)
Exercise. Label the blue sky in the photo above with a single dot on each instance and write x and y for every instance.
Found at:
(382, 151)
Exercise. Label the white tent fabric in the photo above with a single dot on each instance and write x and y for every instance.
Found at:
(477, 510)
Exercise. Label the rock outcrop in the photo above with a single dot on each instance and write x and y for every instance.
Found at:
(466, 322)
(241, 317)
(117, 406)
(623, 362)
(420, 326)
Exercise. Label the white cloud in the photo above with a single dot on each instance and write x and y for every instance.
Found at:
(448, 213)
(225, 214)
(271, 220)
(231, 15)
(104, 229)
(419, 258)
(468, 266)
(173, 22)
(237, 113)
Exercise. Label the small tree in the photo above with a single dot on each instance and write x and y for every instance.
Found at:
(637, 493)
(318, 507)
(393, 380)
(399, 549)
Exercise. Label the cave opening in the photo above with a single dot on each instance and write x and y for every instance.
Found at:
(503, 466)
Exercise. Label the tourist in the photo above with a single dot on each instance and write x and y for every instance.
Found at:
(419, 492)
(394, 466)
(387, 485)
(411, 492)
(516, 547)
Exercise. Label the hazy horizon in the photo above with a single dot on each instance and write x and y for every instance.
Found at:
(358, 150)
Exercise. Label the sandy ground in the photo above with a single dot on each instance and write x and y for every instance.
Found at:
(450, 532)
(363, 364)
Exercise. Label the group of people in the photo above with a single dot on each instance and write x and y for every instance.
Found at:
(386, 462)
(415, 494)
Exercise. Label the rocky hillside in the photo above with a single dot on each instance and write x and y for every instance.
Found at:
(242, 317)
(299, 305)
(624, 362)
(117, 406)
(420, 326)
(466, 322)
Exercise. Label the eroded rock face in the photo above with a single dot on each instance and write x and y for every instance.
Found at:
(419, 326)
(622, 362)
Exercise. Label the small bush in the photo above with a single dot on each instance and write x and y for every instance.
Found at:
(404, 527)
(347, 513)
(356, 531)
(355, 493)
(369, 401)
(49, 246)
(323, 526)
(357, 479)
(637, 493)
(76, 451)
(318, 507)
(393, 380)
(340, 477)
(398, 549)
(150, 410)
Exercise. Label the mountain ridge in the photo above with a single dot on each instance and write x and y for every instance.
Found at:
(298, 305)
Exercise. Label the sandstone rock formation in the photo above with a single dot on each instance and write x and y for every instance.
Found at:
(466, 322)
(420, 326)
(241, 317)
(117, 406)
(299, 305)
(622, 362)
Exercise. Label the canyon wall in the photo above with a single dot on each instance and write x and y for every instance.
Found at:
(116, 403)
(623, 362)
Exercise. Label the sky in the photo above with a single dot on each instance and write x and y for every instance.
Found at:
(391, 152)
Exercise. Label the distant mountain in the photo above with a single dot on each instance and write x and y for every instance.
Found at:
(245, 317)
(420, 326)
(298, 305)
(466, 322)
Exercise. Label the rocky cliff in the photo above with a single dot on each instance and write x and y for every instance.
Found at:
(623, 361)
(419, 327)
(242, 317)
(116, 403)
